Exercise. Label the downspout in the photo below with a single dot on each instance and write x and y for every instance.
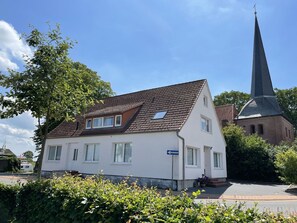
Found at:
(183, 156)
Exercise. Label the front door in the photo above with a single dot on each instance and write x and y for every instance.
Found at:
(207, 161)
(72, 156)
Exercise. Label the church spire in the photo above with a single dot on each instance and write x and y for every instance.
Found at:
(261, 81)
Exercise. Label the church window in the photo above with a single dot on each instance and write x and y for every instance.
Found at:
(260, 129)
(252, 129)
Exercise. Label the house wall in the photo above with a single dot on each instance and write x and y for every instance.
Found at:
(149, 157)
(195, 137)
(275, 128)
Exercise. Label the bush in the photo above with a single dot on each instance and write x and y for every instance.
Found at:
(8, 196)
(286, 163)
(248, 157)
(71, 199)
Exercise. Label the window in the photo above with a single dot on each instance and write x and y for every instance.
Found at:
(286, 131)
(160, 115)
(205, 124)
(118, 120)
(97, 122)
(217, 160)
(88, 123)
(122, 153)
(193, 156)
(205, 101)
(92, 152)
(260, 129)
(75, 153)
(54, 152)
(252, 129)
(108, 121)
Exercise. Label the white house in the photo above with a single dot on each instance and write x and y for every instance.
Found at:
(135, 134)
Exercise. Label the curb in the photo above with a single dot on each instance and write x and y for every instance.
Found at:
(250, 198)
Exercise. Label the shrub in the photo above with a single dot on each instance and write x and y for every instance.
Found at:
(71, 199)
(248, 157)
(8, 196)
(286, 163)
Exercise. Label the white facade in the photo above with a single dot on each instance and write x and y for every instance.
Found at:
(149, 157)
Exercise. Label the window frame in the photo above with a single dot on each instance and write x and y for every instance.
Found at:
(208, 123)
(115, 120)
(159, 115)
(75, 154)
(124, 150)
(96, 147)
(205, 101)
(91, 126)
(196, 157)
(57, 155)
(219, 161)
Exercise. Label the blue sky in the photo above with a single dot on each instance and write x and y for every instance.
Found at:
(142, 44)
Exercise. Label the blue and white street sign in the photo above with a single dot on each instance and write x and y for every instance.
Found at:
(172, 152)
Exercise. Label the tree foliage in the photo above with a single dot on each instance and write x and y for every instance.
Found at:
(52, 86)
(239, 99)
(28, 154)
(288, 102)
(286, 163)
(248, 157)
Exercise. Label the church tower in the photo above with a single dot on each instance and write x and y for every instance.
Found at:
(262, 113)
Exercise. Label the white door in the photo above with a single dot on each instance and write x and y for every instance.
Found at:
(207, 161)
(73, 151)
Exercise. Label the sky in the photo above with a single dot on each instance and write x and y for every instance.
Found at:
(143, 44)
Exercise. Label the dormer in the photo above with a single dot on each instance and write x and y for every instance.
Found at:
(111, 117)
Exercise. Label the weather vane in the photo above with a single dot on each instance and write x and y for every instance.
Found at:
(255, 9)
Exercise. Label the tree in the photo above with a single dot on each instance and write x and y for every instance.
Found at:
(248, 157)
(239, 99)
(288, 102)
(29, 155)
(52, 86)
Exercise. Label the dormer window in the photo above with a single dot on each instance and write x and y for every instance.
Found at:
(97, 122)
(108, 122)
(159, 115)
(118, 120)
(88, 123)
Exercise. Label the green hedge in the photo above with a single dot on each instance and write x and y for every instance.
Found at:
(8, 196)
(71, 199)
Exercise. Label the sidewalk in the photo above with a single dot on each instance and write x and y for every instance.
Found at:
(245, 191)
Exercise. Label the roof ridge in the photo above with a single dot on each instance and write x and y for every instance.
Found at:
(150, 89)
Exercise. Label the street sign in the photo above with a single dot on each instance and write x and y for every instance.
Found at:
(172, 152)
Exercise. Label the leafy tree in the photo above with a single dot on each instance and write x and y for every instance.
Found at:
(286, 163)
(288, 101)
(28, 154)
(248, 157)
(52, 86)
(239, 99)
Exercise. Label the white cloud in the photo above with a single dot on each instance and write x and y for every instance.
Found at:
(11, 47)
(216, 8)
(17, 132)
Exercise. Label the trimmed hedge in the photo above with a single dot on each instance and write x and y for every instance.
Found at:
(8, 196)
(72, 199)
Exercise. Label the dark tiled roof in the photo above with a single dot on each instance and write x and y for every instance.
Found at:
(114, 109)
(178, 100)
(261, 107)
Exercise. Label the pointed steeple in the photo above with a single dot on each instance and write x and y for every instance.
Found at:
(261, 81)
